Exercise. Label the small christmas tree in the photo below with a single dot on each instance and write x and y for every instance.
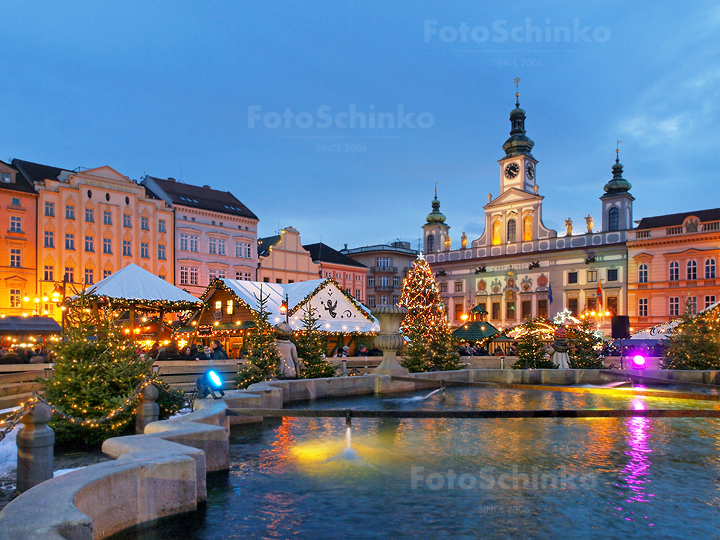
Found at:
(430, 346)
(263, 355)
(694, 342)
(96, 370)
(311, 346)
(584, 343)
(532, 353)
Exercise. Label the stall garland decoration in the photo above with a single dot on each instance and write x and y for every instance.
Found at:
(168, 305)
(320, 287)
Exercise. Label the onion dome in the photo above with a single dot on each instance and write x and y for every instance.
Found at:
(618, 184)
(518, 144)
(435, 216)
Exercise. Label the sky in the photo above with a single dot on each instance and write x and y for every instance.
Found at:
(254, 98)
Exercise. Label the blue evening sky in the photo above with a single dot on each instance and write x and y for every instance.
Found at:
(172, 88)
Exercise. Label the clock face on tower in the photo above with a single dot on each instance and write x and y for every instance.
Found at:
(530, 171)
(512, 170)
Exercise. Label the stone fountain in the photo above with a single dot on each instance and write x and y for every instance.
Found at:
(390, 340)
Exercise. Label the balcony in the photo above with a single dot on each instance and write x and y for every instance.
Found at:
(383, 269)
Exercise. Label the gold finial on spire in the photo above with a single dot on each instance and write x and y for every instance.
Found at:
(516, 80)
(436, 189)
(617, 150)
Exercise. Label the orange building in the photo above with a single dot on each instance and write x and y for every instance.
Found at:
(18, 262)
(92, 223)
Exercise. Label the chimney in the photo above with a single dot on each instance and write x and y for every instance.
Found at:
(171, 179)
(345, 246)
(206, 186)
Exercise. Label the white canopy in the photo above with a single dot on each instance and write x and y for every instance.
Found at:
(135, 284)
(337, 312)
(661, 331)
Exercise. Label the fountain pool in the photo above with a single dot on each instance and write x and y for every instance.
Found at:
(450, 478)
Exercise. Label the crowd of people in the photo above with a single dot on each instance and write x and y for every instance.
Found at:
(171, 351)
(467, 349)
(20, 355)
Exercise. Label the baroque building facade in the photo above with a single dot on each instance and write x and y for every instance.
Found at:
(519, 268)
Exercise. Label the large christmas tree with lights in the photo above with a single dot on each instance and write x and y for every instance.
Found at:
(95, 376)
(584, 351)
(430, 340)
(263, 355)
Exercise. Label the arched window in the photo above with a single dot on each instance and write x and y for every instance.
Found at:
(496, 233)
(511, 229)
(614, 219)
(643, 273)
(527, 229)
(674, 271)
(691, 269)
(431, 243)
(710, 269)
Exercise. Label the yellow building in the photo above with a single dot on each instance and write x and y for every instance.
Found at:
(282, 259)
(18, 283)
(94, 222)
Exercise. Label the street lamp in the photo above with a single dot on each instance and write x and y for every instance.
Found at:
(284, 309)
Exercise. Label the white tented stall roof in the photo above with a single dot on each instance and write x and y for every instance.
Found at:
(336, 311)
(134, 283)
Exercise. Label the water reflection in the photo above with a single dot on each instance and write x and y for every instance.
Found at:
(636, 474)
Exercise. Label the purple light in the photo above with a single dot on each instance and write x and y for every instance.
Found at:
(639, 360)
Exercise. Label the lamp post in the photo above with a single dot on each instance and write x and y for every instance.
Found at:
(284, 309)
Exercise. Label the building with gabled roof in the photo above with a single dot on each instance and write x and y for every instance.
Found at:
(282, 259)
(215, 233)
(93, 222)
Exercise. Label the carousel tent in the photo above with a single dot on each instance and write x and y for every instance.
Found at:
(134, 286)
(338, 311)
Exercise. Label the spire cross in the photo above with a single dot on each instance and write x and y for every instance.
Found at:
(517, 91)
(617, 151)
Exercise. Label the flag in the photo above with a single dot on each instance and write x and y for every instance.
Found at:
(599, 296)
(550, 293)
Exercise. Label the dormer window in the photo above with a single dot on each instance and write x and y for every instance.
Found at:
(5, 178)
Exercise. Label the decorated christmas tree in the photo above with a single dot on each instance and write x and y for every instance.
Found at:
(311, 346)
(584, 343)
(430, 340)
(95, 376)
(263, 355)
(532, 353)
(694, 342)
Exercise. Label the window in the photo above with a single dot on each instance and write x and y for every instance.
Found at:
(674, 305)
(49, 239)
(184, 242)
(15, 258)
(70, 274)
(691, 269)
(458, 286)
(612, 305)
(69, 241)
(511, 229)
(496, 311)
(144, 250)
(592, 276)
(510, 310)
(15, 201)
(69, 211)
(266, 280)
(572, 277)
(5, 178)
(371, 301)
(212, 246)
(184, 275)
(357, 295)
(526, 307)
(161, 252)
(542, 306)
(496, 233)
(107, 246)
(50, 209)
(144, 224)
(710, 269)
(383, 300)
(358, 277)
(230, 309)
(572, 305)
(248, 276)
(612, 274)
(692, 305)
(126, 221)
(395, 299)
(48, 273)
(592, 304)
(89, 215)
(221, 246)
(371, 281)
(443, 287)
(161, 225)
(642, 307)
(90, 244)
(709, 300)
(430, 243)
(383, 282)
(107, 273)
(329, 274)
(614, 219)
(212, 274)
(396, 281)
(239, 250)
(643, 273)
(674, 271)
(384, 262)
(15, 298)
(89, 276)
(222, 274)
(107, 217)
(15, 224)
(459, 310)
(338, 275)
(527, 229)
(193, 243)
(194, 275)
(127, 249)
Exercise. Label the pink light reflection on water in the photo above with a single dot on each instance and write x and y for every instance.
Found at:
(636, 474)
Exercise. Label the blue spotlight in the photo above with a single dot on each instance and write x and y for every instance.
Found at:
(208, 384)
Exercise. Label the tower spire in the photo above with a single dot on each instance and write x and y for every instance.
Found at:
(617, 184)
(517, 91)
(518, 144)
